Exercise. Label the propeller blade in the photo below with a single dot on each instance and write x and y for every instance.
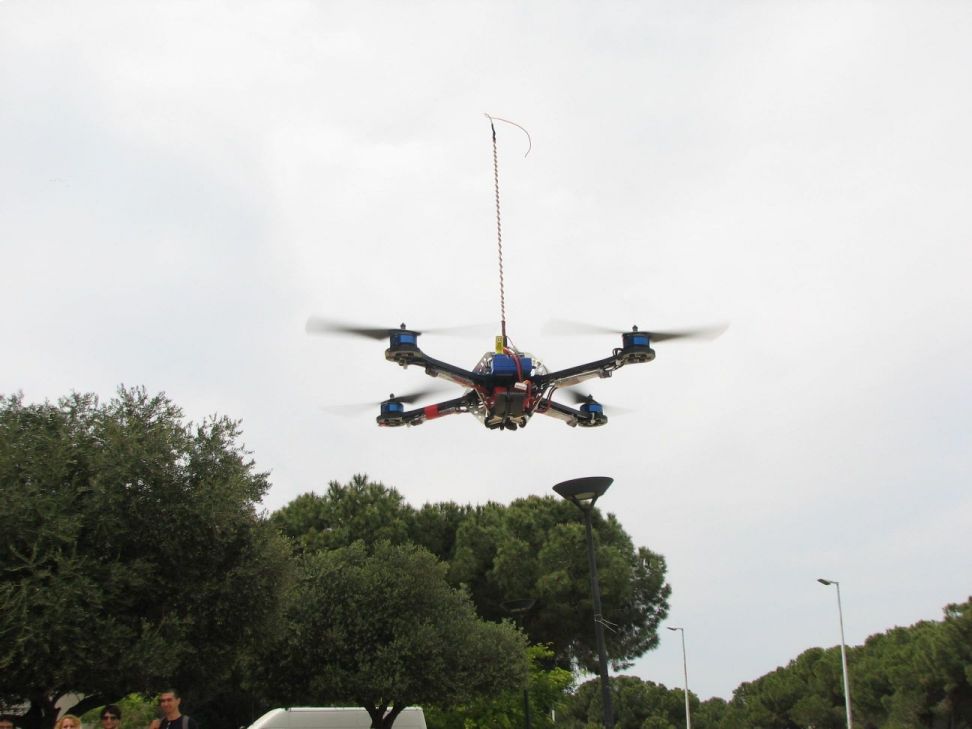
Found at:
(349, 409)
(358, 407)
(560, 327)
(579, 397)
(576, 396)
(563, 327)
(710, 332)
(411, 397)
(319, 325)
(465, 330)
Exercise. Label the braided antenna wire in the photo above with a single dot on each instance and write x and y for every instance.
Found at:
(499, 234)
(499, 226)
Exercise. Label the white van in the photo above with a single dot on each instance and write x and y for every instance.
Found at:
(333, 717)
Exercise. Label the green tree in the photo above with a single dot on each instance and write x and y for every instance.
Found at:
(948, 656)
(381, 628)
(133, 555)
(711, 714)
(358, 510)
(546, 693)
(807, 691)
(434, 527)
(536, 547)
(903, 678)
(636, 703)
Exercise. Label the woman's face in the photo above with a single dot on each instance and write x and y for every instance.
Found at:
(69, 724)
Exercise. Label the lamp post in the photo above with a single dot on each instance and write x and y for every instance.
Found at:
(517, 608)
(583, 493)
(843, 649)
(688, 714)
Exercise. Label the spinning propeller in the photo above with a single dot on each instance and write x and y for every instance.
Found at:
(407, 399)
(562, 327)
(320, 325)
(577, 397)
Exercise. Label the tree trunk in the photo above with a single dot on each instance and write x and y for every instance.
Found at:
(381, 717)
(41, 715)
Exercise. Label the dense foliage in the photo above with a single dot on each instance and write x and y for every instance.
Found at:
(636, 704)
(920, 676)
(133, 555)
(533, 548)
(545, 694)
(383, 629)
(536, 547)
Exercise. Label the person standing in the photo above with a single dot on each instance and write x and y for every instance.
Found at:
(172, 716)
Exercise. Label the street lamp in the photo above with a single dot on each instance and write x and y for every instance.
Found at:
(843, 649)
(518, 608)
(688, 714)
(583, 492)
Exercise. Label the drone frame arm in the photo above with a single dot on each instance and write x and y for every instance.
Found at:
(574, 375)
(571, 416)
(431, 412)
(433, 367)
(599, 368)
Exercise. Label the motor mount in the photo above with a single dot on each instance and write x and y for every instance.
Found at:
(391, 413)
(636, 346)
(403, 346)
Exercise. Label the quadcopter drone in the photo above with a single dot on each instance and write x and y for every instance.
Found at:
(507, 386)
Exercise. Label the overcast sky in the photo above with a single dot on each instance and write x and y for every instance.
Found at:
(183, 184)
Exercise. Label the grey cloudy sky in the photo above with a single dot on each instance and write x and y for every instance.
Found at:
(183, 184)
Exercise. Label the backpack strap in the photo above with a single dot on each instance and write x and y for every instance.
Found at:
(185, 722)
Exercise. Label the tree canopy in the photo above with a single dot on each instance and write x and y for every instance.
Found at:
(536, 548)
(359, 510)
(905, 677)
(546, 691)
(639, 704)
(382, 628)
(532, 548)
(133, 555)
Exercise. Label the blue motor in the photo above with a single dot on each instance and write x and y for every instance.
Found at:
(635, 338)
(403, 338)
(392, 407)
(636, 347)
(592, 406)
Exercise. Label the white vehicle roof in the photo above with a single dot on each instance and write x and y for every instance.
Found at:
(333, 717)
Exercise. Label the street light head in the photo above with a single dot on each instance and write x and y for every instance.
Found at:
(822, 581)
(672, 628)
(584, 491)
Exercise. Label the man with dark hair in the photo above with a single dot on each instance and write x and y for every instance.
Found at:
(172, 716)
(6, 722)
(111, 717)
